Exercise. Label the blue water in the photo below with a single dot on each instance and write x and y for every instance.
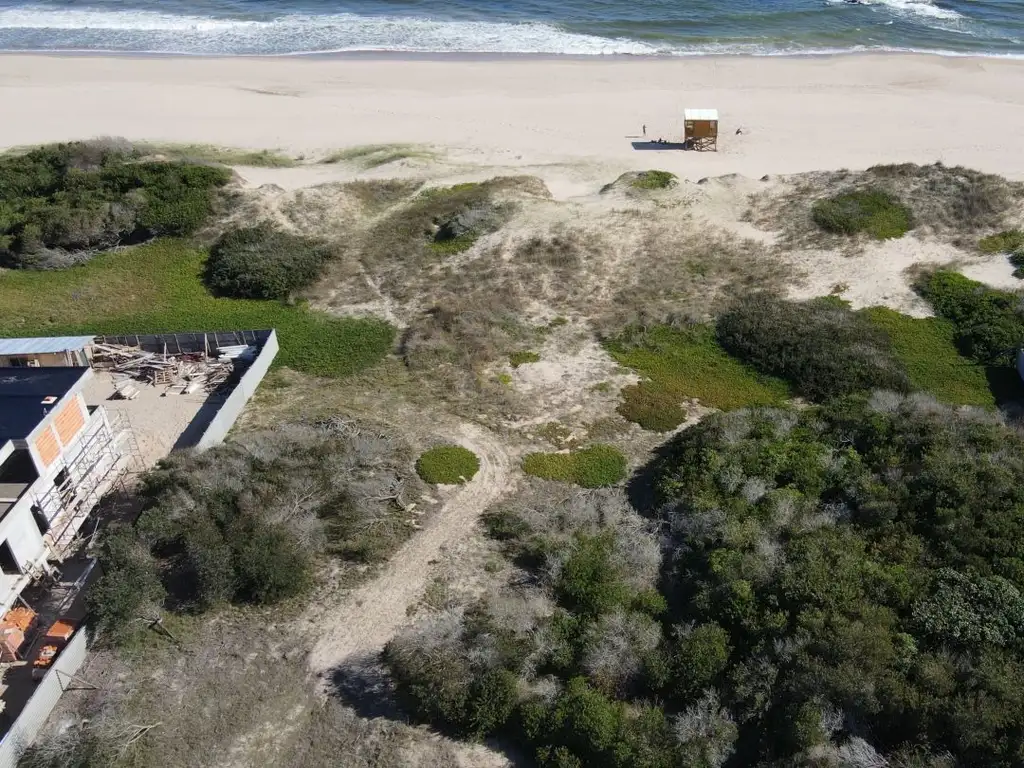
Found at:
(578, 27)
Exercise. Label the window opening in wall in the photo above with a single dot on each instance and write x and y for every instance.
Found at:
(41, 522)
(8, 563)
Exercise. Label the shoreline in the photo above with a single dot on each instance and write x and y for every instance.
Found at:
(471, 57)
(579, 117)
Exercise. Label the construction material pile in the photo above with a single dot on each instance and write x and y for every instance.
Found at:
(183, 373)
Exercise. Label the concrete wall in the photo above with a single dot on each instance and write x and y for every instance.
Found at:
(231, 409)
(72, 357)
(19, 529)
(44, 698)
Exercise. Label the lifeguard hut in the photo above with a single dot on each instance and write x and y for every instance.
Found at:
(700, 129)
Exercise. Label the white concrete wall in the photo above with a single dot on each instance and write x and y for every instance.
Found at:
(18, 528)
(26, 727)
(232, 407)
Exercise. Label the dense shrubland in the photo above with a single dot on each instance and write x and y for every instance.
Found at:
(63, 202)
(841, 586)
(246, 522)
(989, 323)
(820, 347)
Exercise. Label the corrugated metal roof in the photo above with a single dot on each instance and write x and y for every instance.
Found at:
(43, 345)
(700, 114)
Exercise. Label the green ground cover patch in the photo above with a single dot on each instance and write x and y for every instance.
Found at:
(653, 180)
(1010, 242)
(872, 211)
(157, 288)
(681, 364)
(456, 245)
(523, 357)
(594, 467)
(447, 465)
(210, 153)
(927, 348)
(1002, 242)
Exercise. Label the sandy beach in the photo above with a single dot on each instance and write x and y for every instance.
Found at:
(793, 114)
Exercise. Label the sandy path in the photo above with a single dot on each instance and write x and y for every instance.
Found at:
(370, 616)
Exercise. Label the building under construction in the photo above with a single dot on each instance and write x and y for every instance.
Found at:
(58, 456)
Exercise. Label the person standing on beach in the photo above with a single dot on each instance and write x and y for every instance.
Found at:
(645, 130)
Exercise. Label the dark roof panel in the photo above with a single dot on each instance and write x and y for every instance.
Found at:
(21, 396)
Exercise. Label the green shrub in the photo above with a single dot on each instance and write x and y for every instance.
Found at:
(65, 201)
(263, 263)
(589, 582)
(989, 323)
(682, 364)
(523, 358)
(821, 347)
(652, 407)
(448, 465)
(129, 583)
(871, 211)
(593, 467)
(653, 180)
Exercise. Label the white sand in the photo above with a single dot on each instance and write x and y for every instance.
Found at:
(797, 114)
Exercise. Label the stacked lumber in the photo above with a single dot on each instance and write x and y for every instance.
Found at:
(183, 373)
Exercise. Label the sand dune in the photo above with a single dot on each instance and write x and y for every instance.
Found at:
(796, 114)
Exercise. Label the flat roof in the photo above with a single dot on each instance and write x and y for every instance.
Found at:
(700, 114)
(43, 345)
(21, 396)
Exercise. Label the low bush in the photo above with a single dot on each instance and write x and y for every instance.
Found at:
(652, 407)
(523, 357)
(262, 262)
(989, 323)
(594, 467)
(871, 211)
(653, 180)
(448, 465)
(681, 364)
(821, 347)
(129, 584)
(79, 198)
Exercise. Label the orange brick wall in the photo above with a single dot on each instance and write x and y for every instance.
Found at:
(48, 447)
(69, 420)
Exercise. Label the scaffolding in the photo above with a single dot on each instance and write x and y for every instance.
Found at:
(97, 463)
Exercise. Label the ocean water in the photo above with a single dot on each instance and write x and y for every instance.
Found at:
(574, 27)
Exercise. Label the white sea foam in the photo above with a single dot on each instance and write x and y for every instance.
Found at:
(922, 8)
(160, 32)
(46, 28)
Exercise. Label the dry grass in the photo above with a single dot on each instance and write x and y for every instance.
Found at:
(950, 203)
(376, 195)
(235, 693)
(684, 269)
(375, 155)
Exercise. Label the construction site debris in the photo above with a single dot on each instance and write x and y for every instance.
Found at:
(181, 373)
